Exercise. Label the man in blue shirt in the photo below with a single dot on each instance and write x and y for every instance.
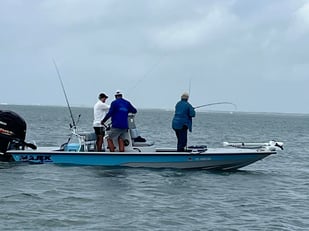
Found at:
(182, 121)
(118, 112)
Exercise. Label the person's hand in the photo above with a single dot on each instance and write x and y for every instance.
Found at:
(106, 127)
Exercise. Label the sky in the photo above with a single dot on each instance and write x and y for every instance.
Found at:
(254, 54)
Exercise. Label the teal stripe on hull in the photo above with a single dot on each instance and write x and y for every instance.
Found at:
(149, 160)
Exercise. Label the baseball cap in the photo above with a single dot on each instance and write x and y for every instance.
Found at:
(118, 92)
(185, 95)
(103, 95)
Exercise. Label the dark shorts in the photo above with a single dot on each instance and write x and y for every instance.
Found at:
(99, 131)
(115, 133)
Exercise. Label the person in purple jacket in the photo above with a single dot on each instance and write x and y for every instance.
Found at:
(118, 112)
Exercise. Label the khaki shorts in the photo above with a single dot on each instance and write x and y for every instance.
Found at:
(116, 133)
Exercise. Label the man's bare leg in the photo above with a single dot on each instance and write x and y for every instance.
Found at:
(99, 143)
(110, 145)
(121, 145)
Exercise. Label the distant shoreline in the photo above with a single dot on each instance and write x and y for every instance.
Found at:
(162, 109)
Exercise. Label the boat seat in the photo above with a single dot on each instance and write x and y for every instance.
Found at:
(88, 136)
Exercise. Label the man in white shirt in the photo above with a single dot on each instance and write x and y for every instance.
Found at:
(99, 111)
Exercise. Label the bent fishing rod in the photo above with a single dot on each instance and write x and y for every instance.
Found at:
(65, 95)
(217, 103)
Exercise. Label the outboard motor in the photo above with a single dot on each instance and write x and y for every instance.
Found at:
(12, 133)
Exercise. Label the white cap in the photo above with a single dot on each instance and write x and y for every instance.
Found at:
(185, 95)
(118, 92)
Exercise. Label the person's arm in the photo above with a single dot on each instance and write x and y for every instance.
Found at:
(104, 107)
(191, 111)
(132, 109)
(109, 114)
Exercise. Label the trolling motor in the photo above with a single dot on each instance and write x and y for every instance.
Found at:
(12, 134)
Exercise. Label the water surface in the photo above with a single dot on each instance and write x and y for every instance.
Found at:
(271, 194)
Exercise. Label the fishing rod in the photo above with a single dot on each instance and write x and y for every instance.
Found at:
(211, 104)
(189, 86)
(217, 103)
(65, 95)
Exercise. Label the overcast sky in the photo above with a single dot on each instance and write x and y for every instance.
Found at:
(252, 53)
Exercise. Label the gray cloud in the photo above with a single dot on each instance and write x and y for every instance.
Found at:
(253, 53)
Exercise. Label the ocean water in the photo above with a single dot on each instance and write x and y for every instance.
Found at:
(272, 194)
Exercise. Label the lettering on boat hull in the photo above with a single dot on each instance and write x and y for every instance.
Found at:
(40, 159)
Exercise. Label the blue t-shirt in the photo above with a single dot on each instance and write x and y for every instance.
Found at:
(119, 111)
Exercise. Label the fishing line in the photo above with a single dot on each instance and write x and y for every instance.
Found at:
(147, 73)
(217, 103)
(65, 95)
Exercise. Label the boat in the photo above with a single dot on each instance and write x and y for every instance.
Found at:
(140, 153)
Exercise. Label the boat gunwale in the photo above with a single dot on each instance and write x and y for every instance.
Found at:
(154, 153)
